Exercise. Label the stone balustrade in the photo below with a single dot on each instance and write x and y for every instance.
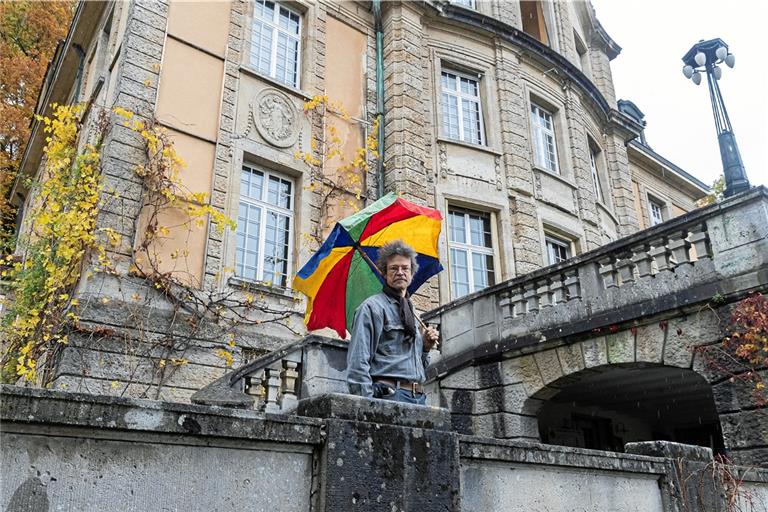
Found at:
(274, 387)
(721, 249)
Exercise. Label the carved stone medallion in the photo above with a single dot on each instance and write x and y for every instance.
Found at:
(276, 118)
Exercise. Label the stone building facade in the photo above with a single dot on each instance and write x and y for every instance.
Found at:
(501, 114)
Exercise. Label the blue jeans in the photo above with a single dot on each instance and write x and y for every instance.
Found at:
(407, 396)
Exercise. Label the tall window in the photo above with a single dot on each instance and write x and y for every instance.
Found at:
(534, 22)
(544, 138)
(595, 175)
(466, 3)
(558, 249)
(264, 225)
(655, 211)
(275, 36)
(462, 114)
(471, 251)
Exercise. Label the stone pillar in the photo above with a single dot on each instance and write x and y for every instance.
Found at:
(383, 456)
(692, 480)
(515, 143)
(620, 183)
(405, 88)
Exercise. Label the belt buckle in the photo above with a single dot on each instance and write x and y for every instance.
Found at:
(413, 387)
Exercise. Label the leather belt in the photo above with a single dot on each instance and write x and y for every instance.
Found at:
(413, 387)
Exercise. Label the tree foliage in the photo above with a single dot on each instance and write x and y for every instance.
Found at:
(717, 193)
(29, 33)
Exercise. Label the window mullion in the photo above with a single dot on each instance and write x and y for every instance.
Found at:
(273, 50)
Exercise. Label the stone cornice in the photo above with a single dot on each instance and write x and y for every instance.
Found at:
(541, 52)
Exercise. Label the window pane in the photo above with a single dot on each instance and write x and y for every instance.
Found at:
(248, 226)
(469, 86)
(471, 115)
(261, 47)
(450, 116)
(449, 81)
(251, 183)
(459, 273)
(264, 10)
(289, 21)
(279, 193)
(287, 59)
(457, 231)
(476, 230)
(276, 248)
(479, 272)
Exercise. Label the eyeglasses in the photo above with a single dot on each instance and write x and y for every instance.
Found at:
(394, 269)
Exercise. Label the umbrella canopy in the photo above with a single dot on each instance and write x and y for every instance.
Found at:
(337, 279)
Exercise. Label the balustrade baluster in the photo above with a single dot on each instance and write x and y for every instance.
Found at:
(700, 241)
(660, 254)
(558, 290)
(608, 271)
(532, 298)
(545, 298)
(572, 284)
(642, 260)
(626, 269)
(679, 246)
(272, 386)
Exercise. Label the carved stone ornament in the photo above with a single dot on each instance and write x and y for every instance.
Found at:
(276, 118)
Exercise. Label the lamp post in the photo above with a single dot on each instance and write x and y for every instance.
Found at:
(707, 57)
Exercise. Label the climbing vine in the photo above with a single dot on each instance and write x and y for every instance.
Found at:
(66, 243)
(743, 354)
(62, 232)
(337, 175)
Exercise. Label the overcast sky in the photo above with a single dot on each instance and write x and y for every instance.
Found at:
(654, 35)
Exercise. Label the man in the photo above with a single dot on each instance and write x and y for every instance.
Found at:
(388, 351)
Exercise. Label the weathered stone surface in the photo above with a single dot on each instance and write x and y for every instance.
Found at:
(621, 347)
(595, 352)
(571, 358)
(505, 425)
(649, 343)
(685, 333)
(549, 365)
(385, 467)
(523, 369)
(383, 412)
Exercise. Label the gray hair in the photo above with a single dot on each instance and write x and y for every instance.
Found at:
(396, 248)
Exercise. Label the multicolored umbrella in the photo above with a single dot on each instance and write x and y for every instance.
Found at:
(337, 279)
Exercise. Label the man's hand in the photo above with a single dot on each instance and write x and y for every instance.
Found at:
(431, 338)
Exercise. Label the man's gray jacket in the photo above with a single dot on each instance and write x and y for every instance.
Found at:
(378, 347)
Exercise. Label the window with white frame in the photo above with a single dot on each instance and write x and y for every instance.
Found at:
(462, 111)
(545, 148)
(593, 156)
(264, 226)
(558, 249)
(275, 41)
(470, 246)
(655, 211)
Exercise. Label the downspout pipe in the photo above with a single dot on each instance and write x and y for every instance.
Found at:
(379, 95)
(80, 66)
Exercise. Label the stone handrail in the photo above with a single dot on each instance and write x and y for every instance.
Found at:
(275, 382)
(681, 261)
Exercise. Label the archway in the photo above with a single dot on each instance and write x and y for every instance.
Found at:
(607, 406)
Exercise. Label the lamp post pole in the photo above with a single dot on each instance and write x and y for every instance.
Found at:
(706, 57)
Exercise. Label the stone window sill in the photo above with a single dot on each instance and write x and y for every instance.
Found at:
(477, 147)
(558, 177)
(275, 83)
(262, 287)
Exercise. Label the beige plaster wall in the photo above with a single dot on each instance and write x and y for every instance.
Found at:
(345, 59)
(185, 18)
(189, 97)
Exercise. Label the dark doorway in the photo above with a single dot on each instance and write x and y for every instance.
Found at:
(604, 408)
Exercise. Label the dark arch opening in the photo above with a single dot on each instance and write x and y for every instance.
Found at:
(603, 408)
